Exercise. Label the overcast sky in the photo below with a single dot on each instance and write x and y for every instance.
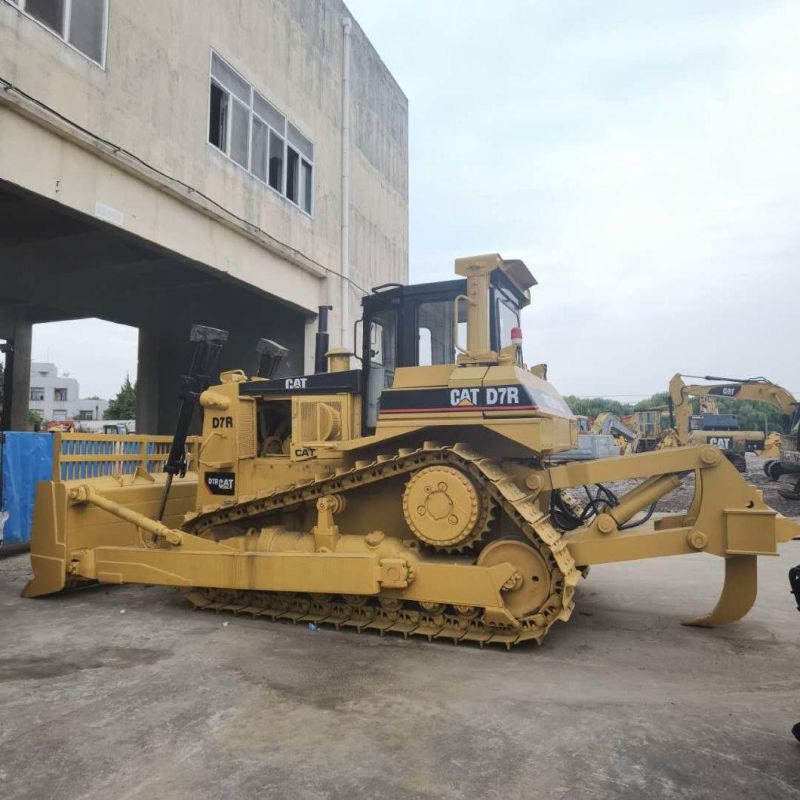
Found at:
(642, 158)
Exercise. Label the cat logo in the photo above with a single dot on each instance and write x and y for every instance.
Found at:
(221, 482)
(301, 453)
(295, 383)
(463, 397)
(723, 442)
(221, 422)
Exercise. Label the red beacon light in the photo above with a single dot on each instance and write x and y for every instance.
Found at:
(516, 336)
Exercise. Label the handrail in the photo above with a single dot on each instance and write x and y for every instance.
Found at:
(78, 456)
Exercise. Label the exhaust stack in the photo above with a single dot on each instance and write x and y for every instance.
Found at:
(323, 340)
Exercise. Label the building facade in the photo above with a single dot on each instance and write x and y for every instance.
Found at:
(57, 397)
(236, 164)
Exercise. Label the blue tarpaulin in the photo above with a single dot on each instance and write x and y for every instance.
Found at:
(27, 459)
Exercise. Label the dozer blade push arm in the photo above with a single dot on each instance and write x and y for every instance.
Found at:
(86, 494)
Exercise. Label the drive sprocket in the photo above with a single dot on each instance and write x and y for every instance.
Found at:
(444, 509)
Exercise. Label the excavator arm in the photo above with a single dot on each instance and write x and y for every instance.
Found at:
(736, 389)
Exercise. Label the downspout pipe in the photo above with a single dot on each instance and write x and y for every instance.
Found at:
(344, 310)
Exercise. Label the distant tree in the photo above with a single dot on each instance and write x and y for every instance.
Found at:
(123, 406)
(94, 397)
(657, 399)
(592, 406)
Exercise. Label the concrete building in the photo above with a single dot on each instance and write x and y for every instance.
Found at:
(236, 163)
(54, 396)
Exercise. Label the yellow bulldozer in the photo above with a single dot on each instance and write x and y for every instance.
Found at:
(411, 494)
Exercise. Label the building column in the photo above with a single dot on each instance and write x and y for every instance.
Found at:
(147, 381)
(17, 381)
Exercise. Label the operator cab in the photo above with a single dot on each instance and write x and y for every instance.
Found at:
(415, 326)
(714, 422)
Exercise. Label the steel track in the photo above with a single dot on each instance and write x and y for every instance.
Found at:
(387, 614)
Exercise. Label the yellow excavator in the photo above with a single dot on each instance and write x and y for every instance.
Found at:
(609, 424)
(722, 430)
(413, 493)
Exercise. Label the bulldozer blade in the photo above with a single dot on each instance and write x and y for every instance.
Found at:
(48, 548)
(738, 593)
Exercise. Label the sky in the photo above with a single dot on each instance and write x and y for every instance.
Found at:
(642, 158)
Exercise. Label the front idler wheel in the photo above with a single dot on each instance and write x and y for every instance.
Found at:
(529, 587)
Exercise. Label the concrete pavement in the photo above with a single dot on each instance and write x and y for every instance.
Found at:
(621, 702)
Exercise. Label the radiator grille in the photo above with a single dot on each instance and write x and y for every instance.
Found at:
(247, 429)
(320, 422)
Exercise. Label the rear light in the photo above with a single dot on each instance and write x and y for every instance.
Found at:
(516, 336)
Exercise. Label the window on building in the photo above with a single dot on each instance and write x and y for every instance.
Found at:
(37, 392)
(307, 186)
(81, 23)
(305, 155)
(84, 414)
(59, 413)
(48, 12)
(240, 134)
(292, 175)
(218, 118)
(258, 152)
(276, 148)
(60, 395)
(245, 126)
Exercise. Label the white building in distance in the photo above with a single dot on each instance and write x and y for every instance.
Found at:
(56, 397)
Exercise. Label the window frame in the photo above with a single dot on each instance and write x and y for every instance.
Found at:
(20, 5)
(270, 130)
(38, 390)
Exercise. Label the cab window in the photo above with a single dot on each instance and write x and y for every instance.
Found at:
(383, 344)
(435, 334)
(508, 318)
